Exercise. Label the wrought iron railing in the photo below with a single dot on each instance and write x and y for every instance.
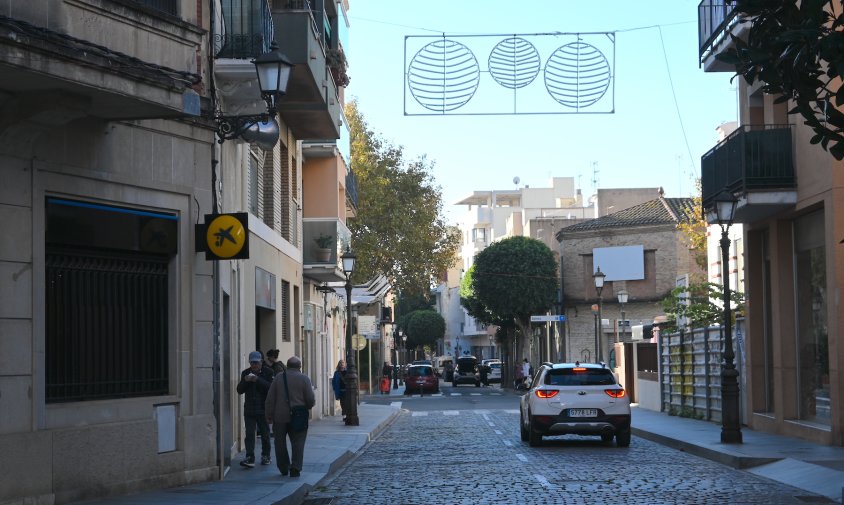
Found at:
(752, 157)
(352, 188)
(713, 18)
(247, 29)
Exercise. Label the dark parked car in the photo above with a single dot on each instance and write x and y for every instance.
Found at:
(465, 371)
(421, 379)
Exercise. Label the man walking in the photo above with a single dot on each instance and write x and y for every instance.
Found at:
(290, 389)
(254, 384)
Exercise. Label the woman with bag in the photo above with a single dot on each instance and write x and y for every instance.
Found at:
(289, 401)
(338, 383)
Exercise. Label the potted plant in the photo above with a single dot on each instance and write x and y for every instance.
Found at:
(324, 245)
(337, 64)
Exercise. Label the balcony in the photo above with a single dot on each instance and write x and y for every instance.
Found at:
(323, 242)
(351, 193)
(716, 21)
(246, 34)
(312, 107)
(755, 163)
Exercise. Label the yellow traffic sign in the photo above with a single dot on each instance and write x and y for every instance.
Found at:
(227, 236)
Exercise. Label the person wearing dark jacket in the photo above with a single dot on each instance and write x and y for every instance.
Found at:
(279, 405)
(254, 384)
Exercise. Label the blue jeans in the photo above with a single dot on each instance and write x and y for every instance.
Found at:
(263, 430)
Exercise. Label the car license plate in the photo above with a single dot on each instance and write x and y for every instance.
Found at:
(583, 413)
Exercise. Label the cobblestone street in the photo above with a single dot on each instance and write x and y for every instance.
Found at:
(475, 456)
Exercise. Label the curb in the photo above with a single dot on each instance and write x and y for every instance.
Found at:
(731, 460)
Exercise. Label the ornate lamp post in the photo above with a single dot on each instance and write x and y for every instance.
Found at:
(352, 388)
(725, 208)
(622, 299)
(403, 346)
(396, 367)
(599, 287)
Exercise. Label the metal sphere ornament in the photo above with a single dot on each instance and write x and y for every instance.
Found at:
(443, 75)
(514, 63)
(577, 75)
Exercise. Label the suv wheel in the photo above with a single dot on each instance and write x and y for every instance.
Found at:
(622, 438)
(534, 438)
(522, 430)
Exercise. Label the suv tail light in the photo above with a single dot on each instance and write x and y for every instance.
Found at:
(546, 393)
(616, 393)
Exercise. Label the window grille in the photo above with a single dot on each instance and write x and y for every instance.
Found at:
(106, 325)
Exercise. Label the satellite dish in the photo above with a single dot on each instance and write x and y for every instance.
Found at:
(516, 181)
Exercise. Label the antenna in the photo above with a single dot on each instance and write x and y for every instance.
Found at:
(595, 175)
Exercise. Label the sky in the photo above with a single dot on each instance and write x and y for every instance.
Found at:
(665, 107)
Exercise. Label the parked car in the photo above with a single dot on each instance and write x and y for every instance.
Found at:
(494, 376)
(421, 379)
(465, 371)
(575, 398)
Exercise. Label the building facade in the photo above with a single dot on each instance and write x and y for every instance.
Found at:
(642, 253)
(105, 307)
(790, 197)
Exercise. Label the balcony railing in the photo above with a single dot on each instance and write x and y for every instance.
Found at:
(247, 29)
(324, 240)
(713, 18)
(352, 188)
(754, 157)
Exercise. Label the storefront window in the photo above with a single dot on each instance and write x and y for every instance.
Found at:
(812, 343)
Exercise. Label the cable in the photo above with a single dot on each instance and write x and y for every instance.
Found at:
(674, 95)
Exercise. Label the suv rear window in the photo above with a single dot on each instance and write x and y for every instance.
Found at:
(587, 377)
(466, 365)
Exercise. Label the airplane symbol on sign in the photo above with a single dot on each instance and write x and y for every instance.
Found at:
(223, 235)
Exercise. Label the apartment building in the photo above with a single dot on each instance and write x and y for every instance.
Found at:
(120, 343)
(297, 192)
(105, 308)
(790, 199)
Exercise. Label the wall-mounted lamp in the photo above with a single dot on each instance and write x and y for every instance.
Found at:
(273, 69)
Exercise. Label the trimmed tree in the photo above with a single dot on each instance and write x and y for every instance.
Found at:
(424, 328)
(514, 279)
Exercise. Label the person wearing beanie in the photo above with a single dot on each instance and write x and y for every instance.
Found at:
(254, 384)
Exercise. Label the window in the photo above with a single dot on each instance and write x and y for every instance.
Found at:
(106, 302)
(285, 311)
(479, 234)
(812, 333)
(589, 377)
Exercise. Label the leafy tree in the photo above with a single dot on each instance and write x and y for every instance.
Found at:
(694, 231)
(424, 328)
(700, 303)
(514, 279)
(399, 230)
(796, 49)
(469, 302)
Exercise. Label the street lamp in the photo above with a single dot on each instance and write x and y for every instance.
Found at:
(599, 287)
(351, 377)
(396, 367)
(595, 315)
(622, 299)
(725, 208)
(273, 70)
(404, 344)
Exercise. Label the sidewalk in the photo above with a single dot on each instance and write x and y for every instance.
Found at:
(811, 467)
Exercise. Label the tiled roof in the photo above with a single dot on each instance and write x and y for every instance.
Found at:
(652, 213)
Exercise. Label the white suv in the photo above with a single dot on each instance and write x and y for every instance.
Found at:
(575, 398)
